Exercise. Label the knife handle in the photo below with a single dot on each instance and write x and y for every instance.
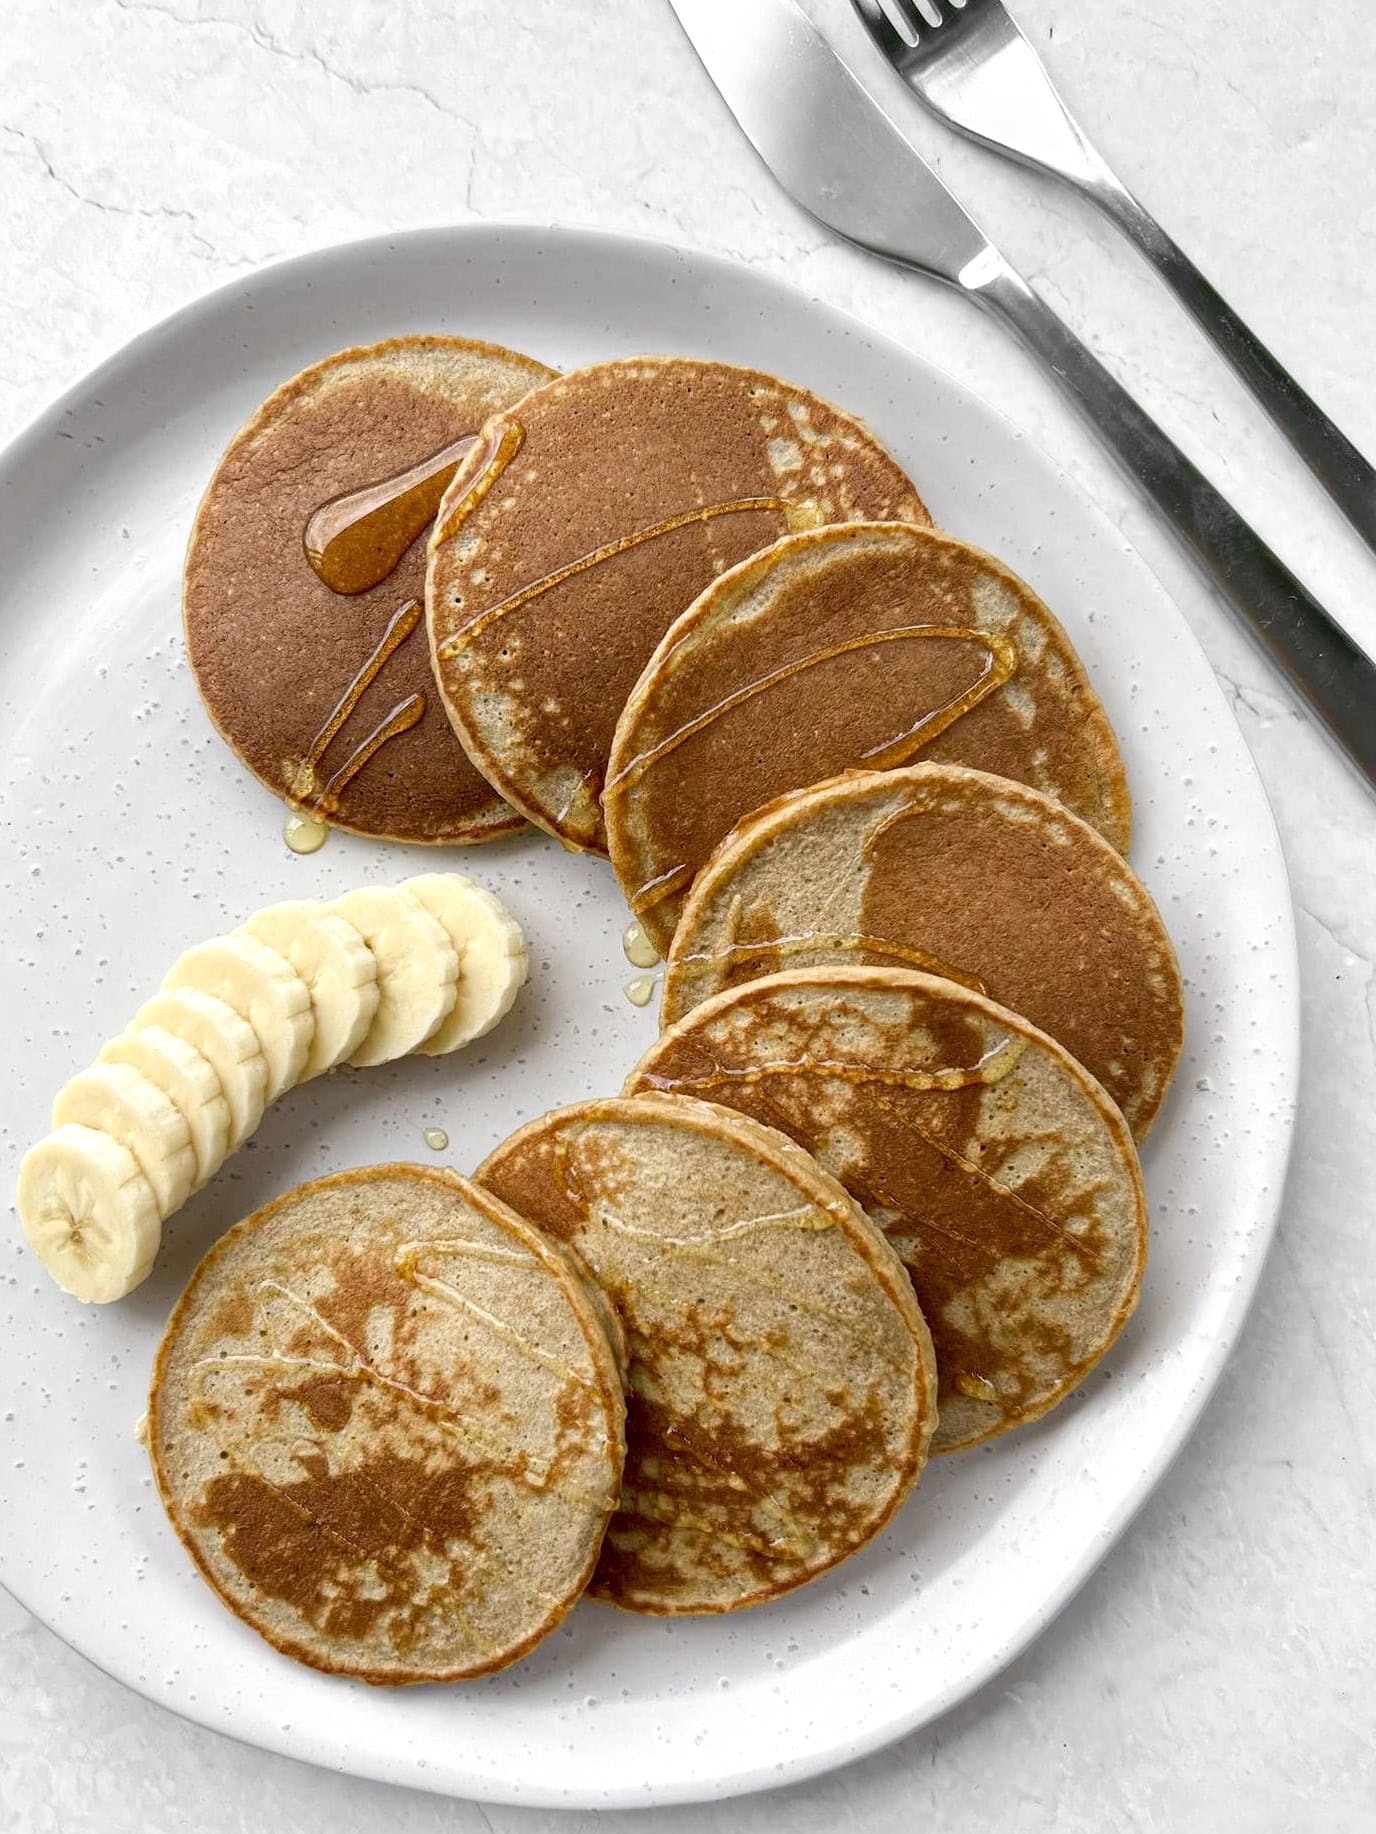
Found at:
(1314, 653)
(1342, 470)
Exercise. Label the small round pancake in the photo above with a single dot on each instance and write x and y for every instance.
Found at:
(956, 873)
(997, 1166)
(780, 1390)
(596, 512)
(849, 648)
(387, 1422)
(275, 649)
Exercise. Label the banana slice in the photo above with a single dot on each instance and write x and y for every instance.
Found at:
(89, 1213)
(417, 970)
(492, 956)
(188, 1077)
(262, 987)
(117, 1099)
(338, 967)
(228, 1043)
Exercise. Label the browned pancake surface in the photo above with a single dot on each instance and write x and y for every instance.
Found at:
(1000, 1171)
(597, 514)
(862, 647)
(780, 1385)
(947, 869)
(386, 1421)
(274, 648)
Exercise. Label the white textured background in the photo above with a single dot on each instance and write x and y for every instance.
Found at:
(1219, 1672)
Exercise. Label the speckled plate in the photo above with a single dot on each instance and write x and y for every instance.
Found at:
(131, 832)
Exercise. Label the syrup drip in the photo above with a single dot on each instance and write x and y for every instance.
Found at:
(639, 951)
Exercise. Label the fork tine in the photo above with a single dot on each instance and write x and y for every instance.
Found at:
(893, 23)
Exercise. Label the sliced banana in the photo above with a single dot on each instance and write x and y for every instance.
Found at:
(262, 987)
(116, 1099)
(339, 969)
(188, 1077)
(492, 956)
(227, 1042)
(89, 1213)
(417, 970)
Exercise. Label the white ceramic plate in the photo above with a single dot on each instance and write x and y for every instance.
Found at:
(133, 832)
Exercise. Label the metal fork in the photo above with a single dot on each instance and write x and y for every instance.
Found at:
(974, 69)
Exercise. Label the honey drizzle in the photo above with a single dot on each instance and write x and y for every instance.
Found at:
(356, 540)
(1003, 660)
(330, 1530)
(996, 1063)
(358, 1368)
(399, 628)
(802, 945)
(593, 1212)
(807, 1217)
(405, 1263)
(705, 513)
(633, 1500)
(501, 447)
(1001, 663)
(407, 713)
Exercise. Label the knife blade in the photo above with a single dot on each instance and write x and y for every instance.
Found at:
(826, 139)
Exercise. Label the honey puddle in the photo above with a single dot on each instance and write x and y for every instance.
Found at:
(355, 541)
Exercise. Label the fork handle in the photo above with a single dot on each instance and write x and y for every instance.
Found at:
(1314, 653)
(1325, 448)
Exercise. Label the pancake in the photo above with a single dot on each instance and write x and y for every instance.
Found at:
(299, 674)
(997, 1166)
(947, 870)
(595, 513)
(387, 1423)
(860, 647)
(780, 1391)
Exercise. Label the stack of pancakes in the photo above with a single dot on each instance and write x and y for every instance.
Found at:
(875, 1187)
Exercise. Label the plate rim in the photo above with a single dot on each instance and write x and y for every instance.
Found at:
(885, 1727)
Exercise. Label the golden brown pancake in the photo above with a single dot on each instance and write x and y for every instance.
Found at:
(780, 1387)
(299, 676)
(947, 870)
(999, 1169)
(594, 515)
(859, 647)
(386, 1420)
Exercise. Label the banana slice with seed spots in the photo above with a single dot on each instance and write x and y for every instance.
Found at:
(189, 1079)
(89, 1213)
(262, 987)
(118, 1100)
(417, 970)
(492, 956)
(339, 969)
(227, 1042)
